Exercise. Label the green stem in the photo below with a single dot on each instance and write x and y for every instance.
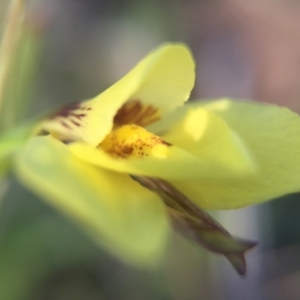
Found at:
(9, 43)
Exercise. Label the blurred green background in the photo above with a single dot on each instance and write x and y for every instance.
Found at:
(74, 49)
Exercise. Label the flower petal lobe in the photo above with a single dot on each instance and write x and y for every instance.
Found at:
(158, 84)
(113, 209)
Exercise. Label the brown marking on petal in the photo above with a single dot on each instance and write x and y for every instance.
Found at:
(145, 113)
(166, 143)
(66, 110)
(78, 116)
(127, 113)
(87, 108)
(75, 123)
(71, 115)
(134, 112)
(64, 124)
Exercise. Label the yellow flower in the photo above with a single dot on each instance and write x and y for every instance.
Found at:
(107, 162)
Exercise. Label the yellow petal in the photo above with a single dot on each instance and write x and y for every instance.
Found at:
(116, 211)
(134, 150)
(273, 135)
(208, 137)
(159, 83)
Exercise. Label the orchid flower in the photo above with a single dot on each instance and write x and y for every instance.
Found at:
(134, 159)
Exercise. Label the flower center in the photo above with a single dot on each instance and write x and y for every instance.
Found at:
(132, 141)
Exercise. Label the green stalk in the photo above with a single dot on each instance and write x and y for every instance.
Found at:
(9, 44)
